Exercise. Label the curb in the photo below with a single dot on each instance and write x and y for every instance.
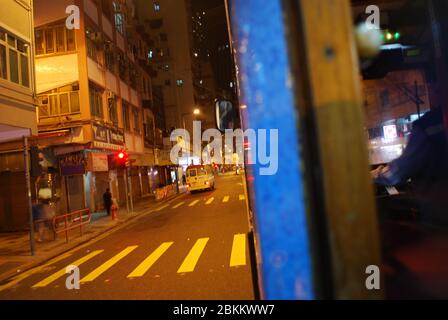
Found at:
(7, 277)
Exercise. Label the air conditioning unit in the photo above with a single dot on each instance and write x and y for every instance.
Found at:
(110, 95)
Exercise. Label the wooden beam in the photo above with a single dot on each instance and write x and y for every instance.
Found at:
(329, 99)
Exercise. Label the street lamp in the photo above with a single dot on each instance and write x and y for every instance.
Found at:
(196, 112)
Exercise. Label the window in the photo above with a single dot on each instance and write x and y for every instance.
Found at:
(39, 38)
(96, 101)
(118, 18)
(134, 76)
(113, 113)
(24, 70)
(156, 6)
(54, 39)
(49, 41)
(70, 38)
(14, 63)
(92, 49)
(180, 82)
(3, 71)
(123, 65)
(136, 120)
(61, 101)
(126, 121)
(110, 58)
(149, 130)
(60, 39)
(13, 66)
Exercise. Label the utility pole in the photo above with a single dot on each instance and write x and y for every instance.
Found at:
(26, 158)
(128, 173)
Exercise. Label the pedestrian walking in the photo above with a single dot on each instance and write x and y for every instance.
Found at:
(107, 198)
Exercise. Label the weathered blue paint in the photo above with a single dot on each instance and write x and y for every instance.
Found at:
(280, 214)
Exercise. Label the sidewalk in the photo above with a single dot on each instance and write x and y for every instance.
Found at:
(15, 256)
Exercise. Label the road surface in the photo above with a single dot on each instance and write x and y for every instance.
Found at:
(193, 247)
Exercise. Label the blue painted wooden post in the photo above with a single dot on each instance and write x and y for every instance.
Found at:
(279, 203)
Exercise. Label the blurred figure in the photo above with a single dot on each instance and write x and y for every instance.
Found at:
(107, 199)
(42, 215)
(425, 162)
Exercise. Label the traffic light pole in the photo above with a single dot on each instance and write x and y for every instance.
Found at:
(125, 177)
(128, 174)
(28, 188)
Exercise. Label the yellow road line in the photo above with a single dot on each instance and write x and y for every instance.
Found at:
(162, 207)
(30, 272)
(108, 264)
(150, 260)
(238, 256)
(22, 276)
(210, 200)
(178, 205)
(193, 256)
(193, 203)
(62, 272)
(242, 197)
(226, 199)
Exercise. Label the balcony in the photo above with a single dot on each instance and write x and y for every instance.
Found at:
(58, 104)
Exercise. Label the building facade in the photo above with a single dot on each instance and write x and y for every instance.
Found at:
(17, 108)
(92, 88)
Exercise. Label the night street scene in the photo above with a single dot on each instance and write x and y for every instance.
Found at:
(248, 151)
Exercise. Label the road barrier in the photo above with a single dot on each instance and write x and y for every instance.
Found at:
(72, 220)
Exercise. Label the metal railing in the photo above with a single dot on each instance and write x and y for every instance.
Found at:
(70, 221)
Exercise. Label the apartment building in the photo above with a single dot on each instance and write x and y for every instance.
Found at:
(91, 87)
(17, 108)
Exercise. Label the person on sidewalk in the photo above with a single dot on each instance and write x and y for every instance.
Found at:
(107, 198)
(42, 214)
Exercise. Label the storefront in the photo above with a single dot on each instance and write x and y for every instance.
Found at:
(102, 174)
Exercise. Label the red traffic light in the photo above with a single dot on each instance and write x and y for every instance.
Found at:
(122, 158)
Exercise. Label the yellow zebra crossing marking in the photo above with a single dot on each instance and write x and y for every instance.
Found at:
(193, 203)
(150, 260)
(193, 256)
(209, 201)
(62, 272)
(238, 256)
(108, 264)
(226, 199)
(162, 207)
(178, 205)
(242, 197)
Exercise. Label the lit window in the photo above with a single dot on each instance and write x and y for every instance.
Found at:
(180, 82)
(156, 6)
